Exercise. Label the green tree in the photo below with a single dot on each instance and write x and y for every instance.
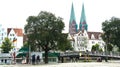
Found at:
(6, 45)
(26, 44)
(25, 47)
(93, 48)
(44, 31)
(111, 29)
(109, 47)
(64, 44)
(96, 47)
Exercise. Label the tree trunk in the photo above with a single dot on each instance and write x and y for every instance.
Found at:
(46, 55)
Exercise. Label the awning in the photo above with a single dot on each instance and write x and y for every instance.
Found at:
(24, 49)
(22, 52)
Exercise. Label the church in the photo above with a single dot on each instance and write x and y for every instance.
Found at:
(81, 39)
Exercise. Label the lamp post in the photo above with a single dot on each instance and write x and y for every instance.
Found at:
(29, 54)
(106, 58)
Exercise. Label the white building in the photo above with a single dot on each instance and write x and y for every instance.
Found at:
(81, 39)
(14, 34)
(3, 34)
(16, 37)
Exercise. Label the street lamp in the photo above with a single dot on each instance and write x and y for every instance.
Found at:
(29, 53)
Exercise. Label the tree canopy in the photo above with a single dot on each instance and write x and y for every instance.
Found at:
(64, 44)
(111, 29)
(96, 47)
(44, 31)
(6, 45)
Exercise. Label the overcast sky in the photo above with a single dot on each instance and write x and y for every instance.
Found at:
(13, 13)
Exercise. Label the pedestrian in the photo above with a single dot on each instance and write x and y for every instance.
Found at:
(33, 59)
(38, 59)
(5, 60)
(27, 58)
(1, 60)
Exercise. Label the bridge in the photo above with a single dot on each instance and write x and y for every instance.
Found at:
(103, 55)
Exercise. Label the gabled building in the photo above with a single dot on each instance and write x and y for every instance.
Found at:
(83, 40)
(16, 37)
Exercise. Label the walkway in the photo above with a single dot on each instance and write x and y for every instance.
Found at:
(81, 64)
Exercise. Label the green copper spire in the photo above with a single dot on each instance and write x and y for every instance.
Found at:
(83, 24)
(72, 16)
(72, 22)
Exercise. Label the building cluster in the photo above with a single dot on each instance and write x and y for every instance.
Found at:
(14, 34)
(82, 39)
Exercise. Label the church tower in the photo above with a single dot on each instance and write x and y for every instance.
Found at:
(72, 22)
(83, 24)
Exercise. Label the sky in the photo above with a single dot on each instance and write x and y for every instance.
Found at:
(13, 13)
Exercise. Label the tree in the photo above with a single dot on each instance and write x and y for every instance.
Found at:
(44, 31)
(96, 47)
(6, 45)
(26, 44)
(64, 44)
(109, 47)
(111, 31)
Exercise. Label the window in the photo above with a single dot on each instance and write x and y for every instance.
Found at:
(2, 29)
(93, 42)
(2, 34)
(11, 34)
(2, 38)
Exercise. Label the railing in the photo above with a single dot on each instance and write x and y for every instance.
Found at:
(109, 54)
(112, 54)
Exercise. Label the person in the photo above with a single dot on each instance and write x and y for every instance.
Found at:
(27, 59)
(38, 59)
(23, 60)
(5, 60)
(33, 59)
(1, 60)
(14, 58)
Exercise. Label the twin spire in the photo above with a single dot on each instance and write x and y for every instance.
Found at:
(72, 23)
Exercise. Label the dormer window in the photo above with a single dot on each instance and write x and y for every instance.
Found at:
(11, 34)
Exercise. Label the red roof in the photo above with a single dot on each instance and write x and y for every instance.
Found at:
(96, 34)
(17, 31)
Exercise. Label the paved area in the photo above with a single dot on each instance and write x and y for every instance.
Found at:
(76, 64)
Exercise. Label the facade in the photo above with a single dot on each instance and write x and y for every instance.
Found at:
(16, 37)
(14, 34)
(83, 40)
(3, 34)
